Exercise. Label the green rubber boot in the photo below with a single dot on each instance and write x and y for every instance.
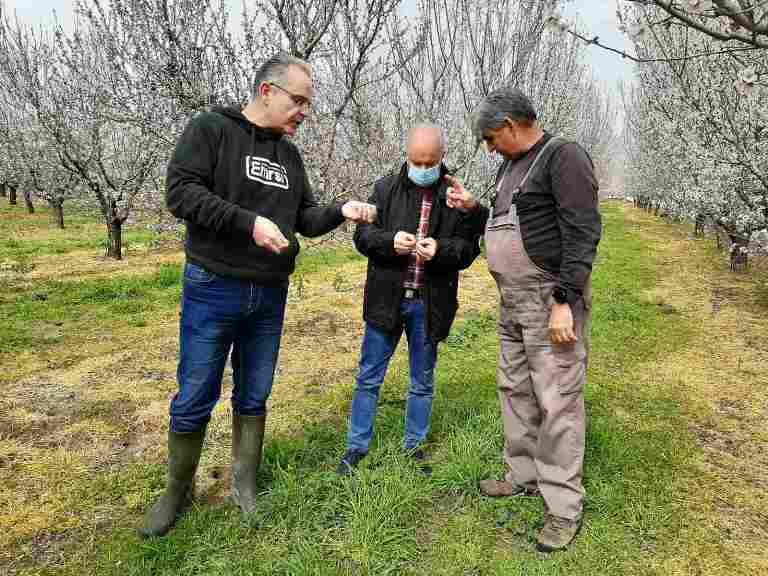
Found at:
(183, 455)
(247, 439)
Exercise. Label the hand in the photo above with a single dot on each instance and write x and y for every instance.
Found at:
(458, 197)
(404, 243)
(426, 248)
(561, 324)
(359, 212)
(267, 235)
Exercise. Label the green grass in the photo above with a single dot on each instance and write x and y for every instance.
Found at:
(39, 318)
(52, 313)
(314, 260)
(81, 232)
(390, 519)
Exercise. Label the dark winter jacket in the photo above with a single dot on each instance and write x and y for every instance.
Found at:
(224, 172)
(398, 202)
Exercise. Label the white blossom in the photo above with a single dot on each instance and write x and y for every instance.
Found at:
(699, 6)
(748, 75)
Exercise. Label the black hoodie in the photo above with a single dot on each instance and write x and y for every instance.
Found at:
(224, 172)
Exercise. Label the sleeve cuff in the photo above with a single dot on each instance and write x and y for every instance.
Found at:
(244, 220)
(573, 296)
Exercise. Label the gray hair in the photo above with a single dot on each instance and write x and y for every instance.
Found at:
(499, 105)
(274, 70)
(430, 126)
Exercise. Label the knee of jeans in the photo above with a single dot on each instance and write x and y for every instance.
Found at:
(424, 387)
(369, 385)
(190, 414)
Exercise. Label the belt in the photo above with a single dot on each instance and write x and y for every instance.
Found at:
(412, 293)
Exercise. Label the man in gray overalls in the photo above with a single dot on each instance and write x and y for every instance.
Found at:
(541, 238)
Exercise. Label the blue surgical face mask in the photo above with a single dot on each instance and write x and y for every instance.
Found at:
(423, 177)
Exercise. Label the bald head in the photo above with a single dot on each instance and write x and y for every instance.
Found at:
(426, 145)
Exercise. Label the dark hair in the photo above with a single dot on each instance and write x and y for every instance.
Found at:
(499, 105)
(275, 68)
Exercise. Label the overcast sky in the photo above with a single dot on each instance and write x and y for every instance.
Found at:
(597, 18)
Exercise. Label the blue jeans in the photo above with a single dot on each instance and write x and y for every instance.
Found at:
(377, 350)
(218, 316)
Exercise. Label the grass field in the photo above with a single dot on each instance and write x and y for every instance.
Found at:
(676, 465)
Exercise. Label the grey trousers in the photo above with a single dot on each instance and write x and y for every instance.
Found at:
(541, 392)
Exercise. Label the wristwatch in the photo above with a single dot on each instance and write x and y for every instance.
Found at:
(560, 295)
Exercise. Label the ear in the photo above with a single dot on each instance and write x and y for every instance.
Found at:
(264, 89)
(511, 124)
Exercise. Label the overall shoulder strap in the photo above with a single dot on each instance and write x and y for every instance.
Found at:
(539, 156)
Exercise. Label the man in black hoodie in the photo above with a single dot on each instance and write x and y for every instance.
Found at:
(242, 189)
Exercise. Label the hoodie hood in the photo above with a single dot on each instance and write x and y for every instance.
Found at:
(259, 132)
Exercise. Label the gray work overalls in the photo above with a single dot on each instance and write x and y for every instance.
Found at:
(541, 384)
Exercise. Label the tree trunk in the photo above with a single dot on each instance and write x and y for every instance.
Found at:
(115, 233)
(12, 194)
(57, 213)
(28, 202)
(3, 189)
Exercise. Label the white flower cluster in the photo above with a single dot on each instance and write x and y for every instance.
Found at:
(635, 30)
(557, 22)
(746, 81)
(758, 242)
(699, 6)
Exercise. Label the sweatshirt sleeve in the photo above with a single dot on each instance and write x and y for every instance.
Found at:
(314, 219)
(190, 182)
(575, 189)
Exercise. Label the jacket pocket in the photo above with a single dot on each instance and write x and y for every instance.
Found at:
(443, 304)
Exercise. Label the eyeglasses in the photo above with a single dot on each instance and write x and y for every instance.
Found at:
(300, 101)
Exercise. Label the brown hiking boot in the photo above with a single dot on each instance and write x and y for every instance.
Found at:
(557, 533)
(502, 488)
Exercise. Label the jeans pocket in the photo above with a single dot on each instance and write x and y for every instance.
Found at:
(198, 274)
(570, 368)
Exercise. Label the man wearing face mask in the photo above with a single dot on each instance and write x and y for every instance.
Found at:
(415, 250)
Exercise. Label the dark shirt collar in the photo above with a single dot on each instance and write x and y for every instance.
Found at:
(535, 148)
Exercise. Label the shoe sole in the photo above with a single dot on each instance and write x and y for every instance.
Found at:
(523, 493)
